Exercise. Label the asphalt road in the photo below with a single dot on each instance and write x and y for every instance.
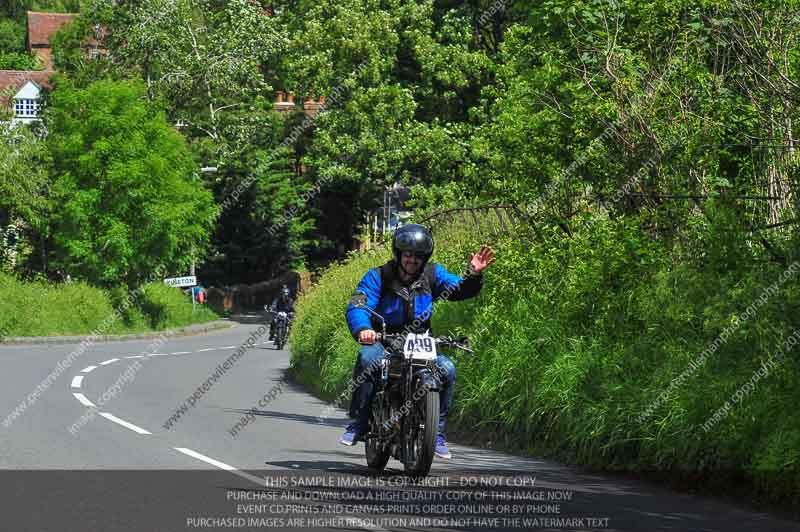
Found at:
(137, 460)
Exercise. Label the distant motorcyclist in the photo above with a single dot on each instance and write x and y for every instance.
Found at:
(403, 291)
(282, 303)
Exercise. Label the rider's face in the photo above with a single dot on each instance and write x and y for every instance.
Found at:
(410, 262)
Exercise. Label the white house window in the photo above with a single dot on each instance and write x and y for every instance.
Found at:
(94, 53)
(26, 107)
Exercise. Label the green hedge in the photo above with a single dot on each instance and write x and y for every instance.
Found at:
(40, 308)
(577, 337)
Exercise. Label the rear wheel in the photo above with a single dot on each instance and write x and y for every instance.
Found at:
(424, 425)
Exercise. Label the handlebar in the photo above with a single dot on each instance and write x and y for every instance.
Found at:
(269, 308)
(446, 341)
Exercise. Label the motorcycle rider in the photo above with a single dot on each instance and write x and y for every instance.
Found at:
(403, 291)
(282, 303)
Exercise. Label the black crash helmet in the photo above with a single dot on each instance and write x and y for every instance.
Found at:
(415, 238)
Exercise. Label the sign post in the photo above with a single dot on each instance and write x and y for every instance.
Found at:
(183, 282)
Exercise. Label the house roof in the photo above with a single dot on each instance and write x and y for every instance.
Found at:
(11, 81)
(42, 26)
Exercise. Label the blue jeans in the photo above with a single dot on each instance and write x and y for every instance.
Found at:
(367, 370)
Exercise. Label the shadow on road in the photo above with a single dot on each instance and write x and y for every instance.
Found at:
(254, 318)
(324, 465)
(287, 416)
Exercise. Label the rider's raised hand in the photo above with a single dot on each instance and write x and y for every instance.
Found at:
(366, 336)
(482, 259)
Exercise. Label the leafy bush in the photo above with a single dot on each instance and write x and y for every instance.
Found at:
(577, 338)
(12, 36)
(166, 307)
(19, 61)
(40, 308)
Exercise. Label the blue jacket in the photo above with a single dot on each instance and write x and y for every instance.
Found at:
(403, 305)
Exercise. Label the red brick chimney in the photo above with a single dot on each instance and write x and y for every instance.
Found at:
(284, 106)
(311, 107)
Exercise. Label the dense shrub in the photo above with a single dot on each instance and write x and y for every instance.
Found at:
(577, 339)
(40, 308)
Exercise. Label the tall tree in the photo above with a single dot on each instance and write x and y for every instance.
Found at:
(205, 59)
(127, 192)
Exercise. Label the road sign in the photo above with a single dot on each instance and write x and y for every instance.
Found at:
(181, 282)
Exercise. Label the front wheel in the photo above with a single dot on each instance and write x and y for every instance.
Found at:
(280, 337)
(377, 452)
(422, 428)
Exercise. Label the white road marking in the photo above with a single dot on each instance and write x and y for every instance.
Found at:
(221, 465)
(76, 382)
(158, 354)
(206, 459)
(115, 419)
(82, 398)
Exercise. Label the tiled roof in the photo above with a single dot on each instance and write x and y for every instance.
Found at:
(11, 81)
(42, 26)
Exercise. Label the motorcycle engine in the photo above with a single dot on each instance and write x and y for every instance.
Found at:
(394, 412)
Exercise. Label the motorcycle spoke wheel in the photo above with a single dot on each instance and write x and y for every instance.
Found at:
(424, 426)
(377, 452)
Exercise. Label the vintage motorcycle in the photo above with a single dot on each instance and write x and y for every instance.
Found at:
(281, 329)
(282, 321)
(404, 416)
